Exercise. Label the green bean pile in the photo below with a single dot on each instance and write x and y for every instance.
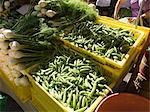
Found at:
(73, 80)
(100, 39)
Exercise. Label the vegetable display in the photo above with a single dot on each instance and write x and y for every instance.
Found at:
(76, 22)
(73, 80)
(33, 39)
(100, 39)
(29, 41)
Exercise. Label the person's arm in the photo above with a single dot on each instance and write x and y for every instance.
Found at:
(117, 8)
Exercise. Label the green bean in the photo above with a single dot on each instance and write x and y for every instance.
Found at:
(87, 84)
(84, 92)
(44, 86)
(71, 78)
(69, 87)
(52, 92)
(83, 102)
(81, 109)
(65, 69)
(100, 79)
(74, 101)
(80, 81)
(77, 94)
(61, 79)
(48, 72)
(116, 54)
(108, 88)
(46, 83)
(92, 75)
(54, 77)
(93, 90)
(44, 71)
(85, 47)
(101, 85)
(85, 67)
(37, 78)
(102, 94)
(115, 57)
(86, 102)
(94, 86)
(69, 98)
(79, 102)
(107, 54)
(84, 70)
(91, 101)
(64, 96)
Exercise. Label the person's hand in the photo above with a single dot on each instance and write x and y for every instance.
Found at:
(116, 17)
(132, 19)
(143, 15)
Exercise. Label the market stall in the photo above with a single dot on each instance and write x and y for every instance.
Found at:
(61, 56)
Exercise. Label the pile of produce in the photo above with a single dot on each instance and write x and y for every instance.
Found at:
(73, 80)
(100, 39)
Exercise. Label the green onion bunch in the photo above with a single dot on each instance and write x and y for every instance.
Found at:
(24, 51)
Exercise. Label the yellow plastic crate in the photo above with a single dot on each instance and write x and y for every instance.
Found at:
(141, 33)
(23, 93)
(132, 56)
(45, 102)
